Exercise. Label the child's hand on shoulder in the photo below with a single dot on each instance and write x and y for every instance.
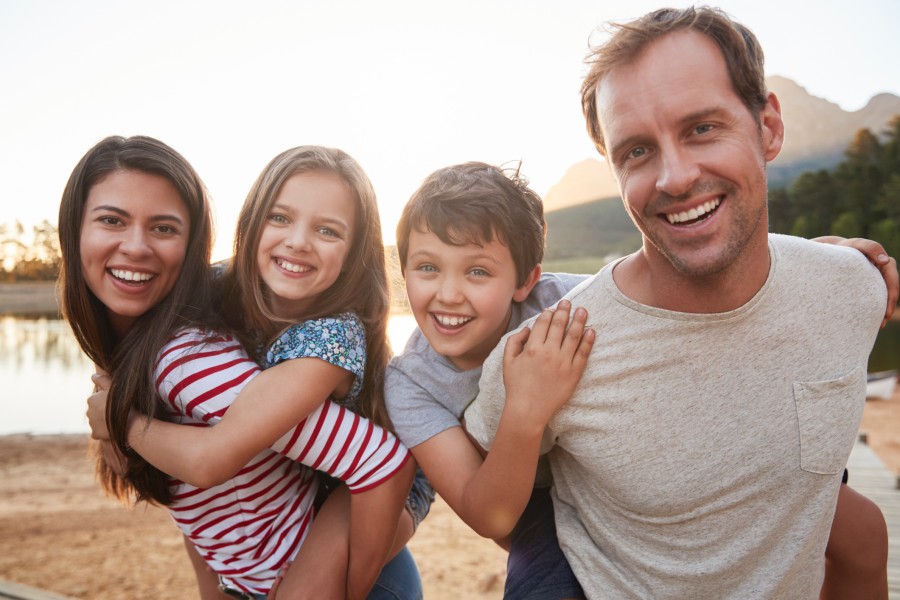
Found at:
(542, 366)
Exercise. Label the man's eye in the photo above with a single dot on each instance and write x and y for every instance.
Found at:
(637, 152)
(703, 128)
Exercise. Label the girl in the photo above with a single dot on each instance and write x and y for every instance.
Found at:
(135, 233)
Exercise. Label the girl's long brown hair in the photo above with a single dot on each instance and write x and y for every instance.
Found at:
(362, 286)
(130, 359)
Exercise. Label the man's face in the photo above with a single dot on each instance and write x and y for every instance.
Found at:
(688, 155)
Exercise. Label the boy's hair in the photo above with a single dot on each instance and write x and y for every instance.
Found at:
(362, 286)
(470, 203)
(741, 50)
(130, 359)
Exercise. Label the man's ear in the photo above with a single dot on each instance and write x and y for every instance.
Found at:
(772, 127)
(530, 281)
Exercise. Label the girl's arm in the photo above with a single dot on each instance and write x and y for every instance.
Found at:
(541, 369)
(258, 414)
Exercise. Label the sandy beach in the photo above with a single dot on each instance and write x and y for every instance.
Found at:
(58, 532)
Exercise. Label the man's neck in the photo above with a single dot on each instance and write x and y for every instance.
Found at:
(650, 279)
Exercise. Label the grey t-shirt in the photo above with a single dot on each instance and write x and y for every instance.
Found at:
(701, 454)
(427, 394)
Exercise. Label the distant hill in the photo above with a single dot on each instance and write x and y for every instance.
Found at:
(816, 133)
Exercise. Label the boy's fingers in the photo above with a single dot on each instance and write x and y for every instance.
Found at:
(575, 332)
(541, 325)
(559, 322)
(515, 343)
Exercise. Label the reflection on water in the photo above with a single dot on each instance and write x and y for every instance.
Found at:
(46, 379)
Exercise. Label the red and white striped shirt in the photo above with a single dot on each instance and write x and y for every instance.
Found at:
(248, 527)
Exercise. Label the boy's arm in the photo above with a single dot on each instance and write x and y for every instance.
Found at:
(878, 256)
(541, 368)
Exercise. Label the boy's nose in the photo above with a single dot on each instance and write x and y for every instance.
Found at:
(450, 291)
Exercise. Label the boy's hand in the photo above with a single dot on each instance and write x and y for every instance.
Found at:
(878, 256)
(542, 366)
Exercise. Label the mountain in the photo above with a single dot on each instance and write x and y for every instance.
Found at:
(816, 133)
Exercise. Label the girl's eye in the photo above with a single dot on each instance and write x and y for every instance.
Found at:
(277, 218)
(426, 268)
(328, 231)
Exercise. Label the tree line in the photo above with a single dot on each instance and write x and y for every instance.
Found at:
(860, 197)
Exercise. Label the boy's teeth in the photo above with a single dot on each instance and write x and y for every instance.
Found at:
(130, 275)
(292, 267)
(694, 213)
(448, 321)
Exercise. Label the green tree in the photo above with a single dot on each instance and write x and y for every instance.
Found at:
(846, 225)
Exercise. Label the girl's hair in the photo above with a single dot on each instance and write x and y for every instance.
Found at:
(130, 359)
(362, 287)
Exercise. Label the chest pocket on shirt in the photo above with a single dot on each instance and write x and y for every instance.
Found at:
(829, 413)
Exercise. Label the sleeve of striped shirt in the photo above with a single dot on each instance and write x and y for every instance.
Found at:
(199, 377)
(346, 446)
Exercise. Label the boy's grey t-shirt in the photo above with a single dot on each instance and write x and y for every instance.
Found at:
(426, 394)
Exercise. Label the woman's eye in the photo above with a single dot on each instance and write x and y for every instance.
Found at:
(109, 220)
(165, 229)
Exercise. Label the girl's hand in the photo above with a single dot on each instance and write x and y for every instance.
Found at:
(878, 256)
(542, 366)
(96, 411)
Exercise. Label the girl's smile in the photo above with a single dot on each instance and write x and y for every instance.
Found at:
(306, 240)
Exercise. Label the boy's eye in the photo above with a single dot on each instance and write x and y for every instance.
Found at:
(426, 268)
(478, 272)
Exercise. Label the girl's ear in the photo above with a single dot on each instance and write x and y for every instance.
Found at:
(522, 291)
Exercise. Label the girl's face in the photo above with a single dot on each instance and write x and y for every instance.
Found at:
(305, 241)
(134, 234)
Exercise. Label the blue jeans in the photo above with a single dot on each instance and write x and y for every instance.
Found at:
(536, 568)
(399, 580)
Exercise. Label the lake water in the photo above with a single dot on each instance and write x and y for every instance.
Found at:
(45, 379)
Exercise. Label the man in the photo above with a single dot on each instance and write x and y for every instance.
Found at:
(702, 452)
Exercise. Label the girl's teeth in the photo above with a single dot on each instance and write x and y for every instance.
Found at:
(131, 275)
(292, 267)
(694, 213)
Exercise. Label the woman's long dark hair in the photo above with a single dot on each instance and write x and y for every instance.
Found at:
(130, 359)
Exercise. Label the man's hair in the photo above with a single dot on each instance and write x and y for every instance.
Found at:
(470, 203)
(740, 49)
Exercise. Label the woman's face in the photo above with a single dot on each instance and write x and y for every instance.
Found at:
(134, 234)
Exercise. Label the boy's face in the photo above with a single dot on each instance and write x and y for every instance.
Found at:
(461, 296)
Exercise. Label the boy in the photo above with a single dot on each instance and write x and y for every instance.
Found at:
(470, 243)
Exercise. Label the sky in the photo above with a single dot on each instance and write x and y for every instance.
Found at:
(405, 87)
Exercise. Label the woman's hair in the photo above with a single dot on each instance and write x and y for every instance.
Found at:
(362, 287)
(130, 359)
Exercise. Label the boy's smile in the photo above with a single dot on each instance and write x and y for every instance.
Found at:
(461, 296)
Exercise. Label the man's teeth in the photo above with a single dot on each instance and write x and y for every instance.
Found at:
(292, 267)
(694, 213)
(448, 321)
(131, 275)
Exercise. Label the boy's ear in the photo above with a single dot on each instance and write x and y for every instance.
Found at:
(530, 281)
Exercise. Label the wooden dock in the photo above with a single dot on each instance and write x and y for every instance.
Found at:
(870, 477)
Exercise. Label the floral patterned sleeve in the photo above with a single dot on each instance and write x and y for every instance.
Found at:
(339, 340)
